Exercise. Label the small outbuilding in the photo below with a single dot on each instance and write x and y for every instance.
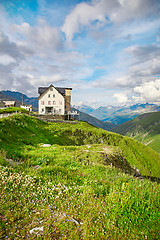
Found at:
(9, 103)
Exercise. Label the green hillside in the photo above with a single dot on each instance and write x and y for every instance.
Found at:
(94, 121)
(75, 181)
(145, 128)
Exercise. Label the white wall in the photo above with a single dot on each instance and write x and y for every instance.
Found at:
(28, 108)
(60, 109)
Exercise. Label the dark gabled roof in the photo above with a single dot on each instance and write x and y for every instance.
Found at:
(41, 90)
(60, 90)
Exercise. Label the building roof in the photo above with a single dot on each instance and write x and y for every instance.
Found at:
(7, 103)
(41, 90)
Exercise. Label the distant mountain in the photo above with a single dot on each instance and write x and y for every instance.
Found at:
(94, 121)
(144, 128)
(119, 114)
(11, 95)
(4, 97)
(17, 96)
(84, 108)
(103, 117)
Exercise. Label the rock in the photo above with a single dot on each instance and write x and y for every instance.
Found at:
(12, 163)
(137, 172)
(36, 230)
(45, 145)
(74, 221)
(36, 167)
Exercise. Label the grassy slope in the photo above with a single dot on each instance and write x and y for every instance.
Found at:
(94, 121)
(72, 194)
(12, 110)
(19, 131)
(145, 128)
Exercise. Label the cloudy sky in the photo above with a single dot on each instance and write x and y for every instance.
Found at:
(108, 51)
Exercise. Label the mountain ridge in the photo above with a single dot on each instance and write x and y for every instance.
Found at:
(120, 114)
(110, 114)
(17, 96)
(20, 97)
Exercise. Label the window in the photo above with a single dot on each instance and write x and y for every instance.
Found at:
(42, 109)
(60, 102)
(49, 95)
(54, 102)
(60, 110)
(54, 95)
(51, 89)
(49, 102)
(42, 102)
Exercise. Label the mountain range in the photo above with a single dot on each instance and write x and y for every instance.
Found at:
(103, 117)
(118, 114)
(19, 98)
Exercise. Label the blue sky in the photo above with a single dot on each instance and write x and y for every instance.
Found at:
(108, 51)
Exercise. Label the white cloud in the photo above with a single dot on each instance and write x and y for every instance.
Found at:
(50, 79)
(83, 15)
(10, 58)
(99, 11)
(9, 48)
(148, 92)
(42, 38)
(101, 67)
(35, 53)
(131, 10)
(122, 98)
(144, 63)
(6, 59)
(142, 66)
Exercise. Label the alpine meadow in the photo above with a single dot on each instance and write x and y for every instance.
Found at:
(70, 180)
(80, 119)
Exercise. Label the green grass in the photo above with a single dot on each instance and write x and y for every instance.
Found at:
(12, 110)
(72, 188)
(21, 130)
(145, 128)
(154, 143)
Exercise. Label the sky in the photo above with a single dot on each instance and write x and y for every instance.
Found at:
(108, 51)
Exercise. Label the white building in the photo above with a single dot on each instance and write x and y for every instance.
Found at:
(9, 103)
(27, 107)
(54, 100)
